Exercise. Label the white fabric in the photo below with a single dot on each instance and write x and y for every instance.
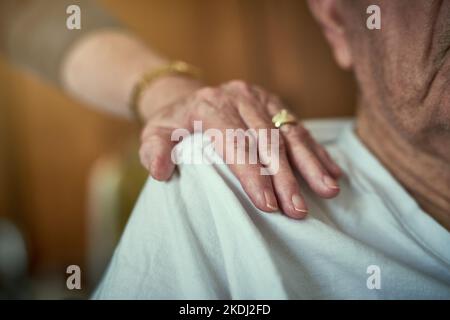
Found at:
(199, 237)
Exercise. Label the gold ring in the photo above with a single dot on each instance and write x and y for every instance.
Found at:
(283, 117)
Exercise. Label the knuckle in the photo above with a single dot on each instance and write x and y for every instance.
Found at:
(281, 145)
(232, 145)
(206, 93)
(206, 101)
(144, 155)
(240, 85)
(145, 133)
(260, 126)
(322, 152)
(205, 108)
(154, 136)
(275, 99)
(148, 132)
(260, 94)
(249, 176)
(299, 132)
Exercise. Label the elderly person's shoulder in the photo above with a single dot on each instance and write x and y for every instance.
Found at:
(199, 236)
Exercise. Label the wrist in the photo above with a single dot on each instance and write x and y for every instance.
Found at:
(165, 91)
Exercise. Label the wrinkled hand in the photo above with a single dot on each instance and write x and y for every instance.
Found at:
(236, 105)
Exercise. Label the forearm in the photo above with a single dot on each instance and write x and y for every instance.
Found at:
(100, 63)
(103, 67)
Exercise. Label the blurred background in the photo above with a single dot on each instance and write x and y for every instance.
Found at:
(69, 175)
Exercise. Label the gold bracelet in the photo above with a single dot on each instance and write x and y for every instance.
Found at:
(175, 67)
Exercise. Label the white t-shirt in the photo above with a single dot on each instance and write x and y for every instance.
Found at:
(198, 236)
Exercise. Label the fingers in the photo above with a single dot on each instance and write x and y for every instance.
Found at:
(308, 164)
(214, 110)
(222, 116)
(288, 191)
(310, 159)
(325, 158)
(253, 111)
(238, 106)
(258, 187)
(155, 152)
(285, 184)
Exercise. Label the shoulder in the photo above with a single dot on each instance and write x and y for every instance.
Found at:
(327, 130)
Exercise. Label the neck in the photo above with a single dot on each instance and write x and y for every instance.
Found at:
(425, 177)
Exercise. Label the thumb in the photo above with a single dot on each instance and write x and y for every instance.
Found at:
(155, 152)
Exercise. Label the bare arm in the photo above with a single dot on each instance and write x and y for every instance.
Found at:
(33, 33)
(103, 67)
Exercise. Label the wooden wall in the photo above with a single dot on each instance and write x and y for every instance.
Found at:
(48, 142)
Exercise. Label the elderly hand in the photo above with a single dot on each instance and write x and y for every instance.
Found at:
(234, 105)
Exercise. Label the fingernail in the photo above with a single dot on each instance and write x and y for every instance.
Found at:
(297, 201)
(330, 182)
(271, 202)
